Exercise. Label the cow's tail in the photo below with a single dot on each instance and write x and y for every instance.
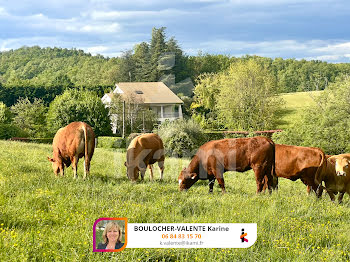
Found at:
(318, 178)
(86, 156)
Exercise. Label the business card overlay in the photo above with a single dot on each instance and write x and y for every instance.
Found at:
(191, 235)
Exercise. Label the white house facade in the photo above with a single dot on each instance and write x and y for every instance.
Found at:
(154, 95)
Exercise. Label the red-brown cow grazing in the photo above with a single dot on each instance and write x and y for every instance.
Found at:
(294, 162)
(241, 154)
(70, 143)
(336, 175)
(143, 151)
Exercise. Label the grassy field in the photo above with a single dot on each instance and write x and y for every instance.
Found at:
(44, 218)
(294, 105)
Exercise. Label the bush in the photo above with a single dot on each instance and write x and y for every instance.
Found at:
(111, 142)
(181, 137)
(79, 105)
(7, 131)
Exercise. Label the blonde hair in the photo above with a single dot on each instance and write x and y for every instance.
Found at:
(107, 228)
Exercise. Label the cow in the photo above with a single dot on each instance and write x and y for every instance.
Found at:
(297, 162)
(70, 143)
(241, 154)
(336, 176)
(143, 151)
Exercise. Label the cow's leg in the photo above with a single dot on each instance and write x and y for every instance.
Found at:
(319, 190)
(75, 161)
(340, 197)
(331, 195)
(261, 179)
(86, 167)
(161, 167)
(142, 171)
(151, 174)
(211, 184)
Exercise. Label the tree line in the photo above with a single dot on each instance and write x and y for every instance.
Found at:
(43, 73)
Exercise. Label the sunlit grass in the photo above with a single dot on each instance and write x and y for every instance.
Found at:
(47, 218)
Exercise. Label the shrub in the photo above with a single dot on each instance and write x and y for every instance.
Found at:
(181, 137)
(7, 131)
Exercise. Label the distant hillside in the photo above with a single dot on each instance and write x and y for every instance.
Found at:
(37, 66)
(294, 105)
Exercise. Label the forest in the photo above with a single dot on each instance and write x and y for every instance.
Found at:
(44, 73)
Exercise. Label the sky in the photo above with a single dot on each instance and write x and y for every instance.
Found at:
(308, 29)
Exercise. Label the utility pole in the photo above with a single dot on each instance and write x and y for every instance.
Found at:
(123, 135)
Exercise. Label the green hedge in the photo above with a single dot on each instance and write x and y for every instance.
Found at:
(7, 131)
(111, 142)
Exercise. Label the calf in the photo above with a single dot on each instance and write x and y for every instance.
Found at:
(241, 154)
(70, 143)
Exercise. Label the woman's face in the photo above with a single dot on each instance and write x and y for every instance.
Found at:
(112, 234)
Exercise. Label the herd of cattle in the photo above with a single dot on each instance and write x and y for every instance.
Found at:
(268, 160)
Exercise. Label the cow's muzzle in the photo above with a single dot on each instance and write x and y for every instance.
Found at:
(341, 173)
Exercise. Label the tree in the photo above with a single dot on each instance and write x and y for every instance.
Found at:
(240, 98)
(246, 99)
(78, 105)
(30, 117)
(137, 117)
(157, 48)
(5, 114)
(142, 61)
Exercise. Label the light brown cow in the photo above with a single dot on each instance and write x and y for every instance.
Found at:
(336, 175)
(70, 143)
(143, 151)
(241, 154)
(297, 162)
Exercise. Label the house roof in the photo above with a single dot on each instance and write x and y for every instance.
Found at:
(149, 92)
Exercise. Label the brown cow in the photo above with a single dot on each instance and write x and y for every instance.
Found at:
(297, 162)
(241, 154)
(143, 151)
(336, 175)
(70, 143)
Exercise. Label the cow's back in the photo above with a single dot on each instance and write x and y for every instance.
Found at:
(237, 153)
(149, 145)
(70, 140)
(292, 162)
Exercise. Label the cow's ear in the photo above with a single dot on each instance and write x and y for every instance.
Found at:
(51, 159)
(332, 159)
(193, 175)
(124, 163)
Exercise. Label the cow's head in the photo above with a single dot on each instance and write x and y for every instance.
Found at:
(57, 167)
(341, 165)
(187, 179)
(132, 171)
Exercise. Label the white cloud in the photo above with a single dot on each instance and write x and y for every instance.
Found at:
(117, 15)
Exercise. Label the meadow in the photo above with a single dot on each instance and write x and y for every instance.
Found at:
(44, 218)
(294, 106)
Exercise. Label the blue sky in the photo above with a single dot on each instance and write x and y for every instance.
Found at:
(309, 29)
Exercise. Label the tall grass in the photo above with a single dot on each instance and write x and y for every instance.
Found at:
(44, 218)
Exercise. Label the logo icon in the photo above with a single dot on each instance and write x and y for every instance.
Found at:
(243, 235)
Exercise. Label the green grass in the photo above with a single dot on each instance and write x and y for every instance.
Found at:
(294, 105)
(44, 218)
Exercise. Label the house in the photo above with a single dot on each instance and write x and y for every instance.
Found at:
(153, 95)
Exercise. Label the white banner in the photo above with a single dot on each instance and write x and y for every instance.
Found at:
(188, 235)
